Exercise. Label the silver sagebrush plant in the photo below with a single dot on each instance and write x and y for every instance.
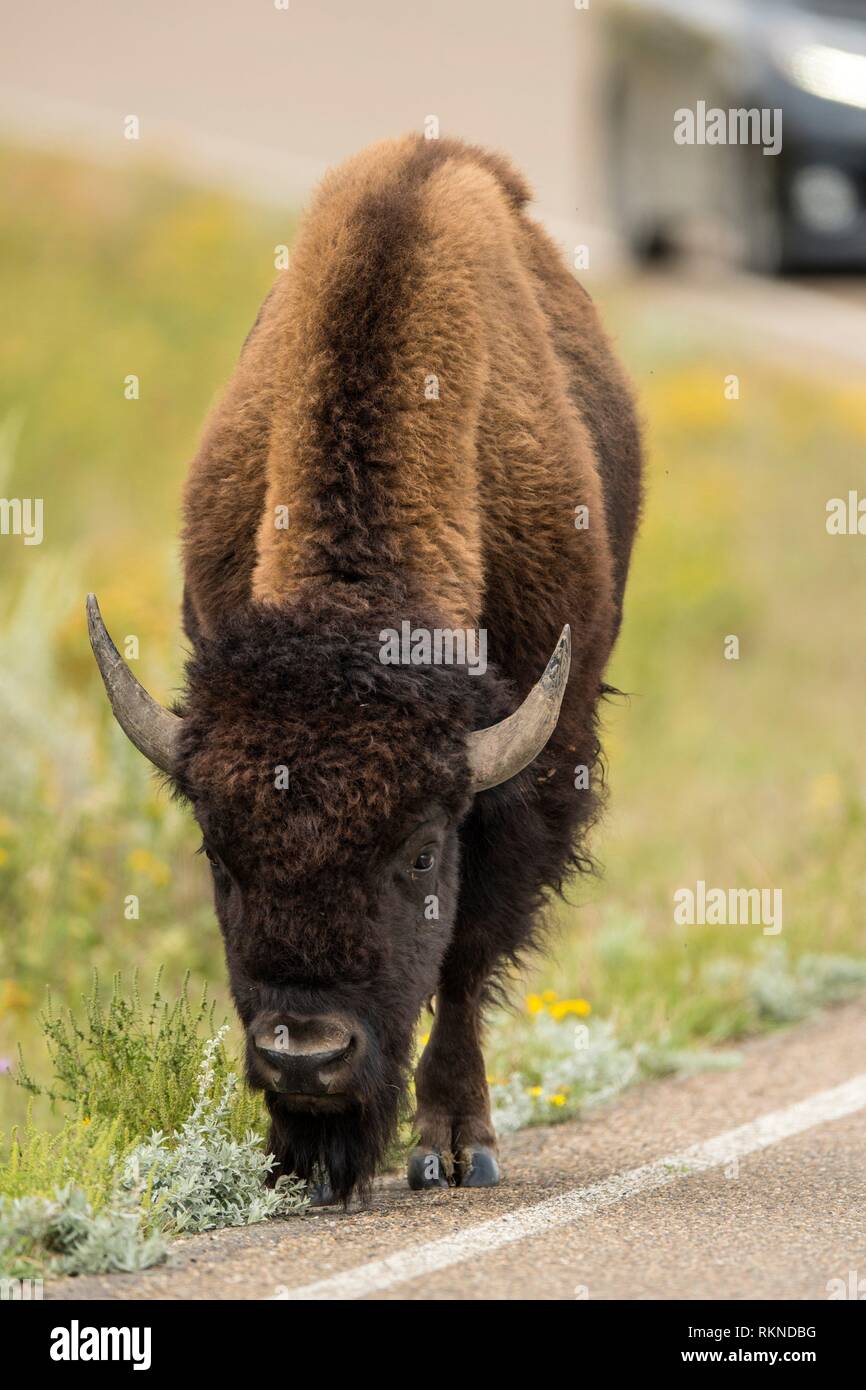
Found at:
(784, 992)
(65, 1231)
(201, 1177)
(582, 1063)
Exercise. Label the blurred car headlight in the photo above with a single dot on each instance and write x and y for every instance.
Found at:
(836, 74)
(824, 199)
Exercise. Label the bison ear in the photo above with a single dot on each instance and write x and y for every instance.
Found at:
(152, 729)
(503, 750)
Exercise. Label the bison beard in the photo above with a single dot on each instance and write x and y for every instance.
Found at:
(340, 1151)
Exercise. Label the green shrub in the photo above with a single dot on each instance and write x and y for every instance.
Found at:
(134, 1065)
(35, 1162)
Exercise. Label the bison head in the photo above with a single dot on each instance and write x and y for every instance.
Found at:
(329, 789)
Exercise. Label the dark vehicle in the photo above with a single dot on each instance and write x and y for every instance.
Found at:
(698, 90)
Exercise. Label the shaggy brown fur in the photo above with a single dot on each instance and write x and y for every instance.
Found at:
(417, 267)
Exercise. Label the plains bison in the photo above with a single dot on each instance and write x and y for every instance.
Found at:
(427, 435)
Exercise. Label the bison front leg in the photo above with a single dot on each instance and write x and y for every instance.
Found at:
(457, 1142)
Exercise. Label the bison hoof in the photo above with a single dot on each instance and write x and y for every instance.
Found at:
(426, 1170)
(320, 1195)
(478, 1168)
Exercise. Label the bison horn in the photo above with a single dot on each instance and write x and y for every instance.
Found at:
(503, 750)
(151, 728)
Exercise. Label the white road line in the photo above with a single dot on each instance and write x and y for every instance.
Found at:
(419, 1260)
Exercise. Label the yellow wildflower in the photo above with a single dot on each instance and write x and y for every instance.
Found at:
(558, 1099)
(826, 792)
(141, 861)
(90, 880)
(534, 1091)
(13, 997)
(534, 1004)
(549, 995)
(581, 1007)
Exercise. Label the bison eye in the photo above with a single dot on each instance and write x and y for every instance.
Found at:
(425, 862)
(214, 861)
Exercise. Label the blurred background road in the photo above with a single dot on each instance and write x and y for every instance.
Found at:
(268, 98)
(262, 100)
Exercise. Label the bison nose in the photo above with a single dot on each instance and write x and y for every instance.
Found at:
(310, 1059)
(304, 1056)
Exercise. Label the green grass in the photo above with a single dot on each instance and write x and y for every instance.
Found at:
(745, 773)
(102, 275)
(741, 773)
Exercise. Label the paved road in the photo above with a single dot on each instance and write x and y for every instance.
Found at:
(262, 101)
(739, 1184)
(816, 327)
(266, 99)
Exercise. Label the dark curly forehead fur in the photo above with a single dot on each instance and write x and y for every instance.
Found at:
(364, 745)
